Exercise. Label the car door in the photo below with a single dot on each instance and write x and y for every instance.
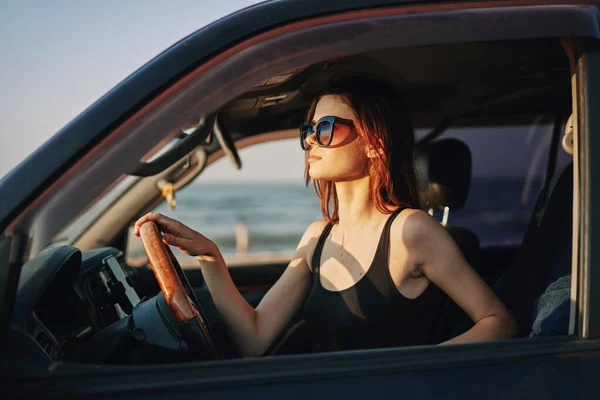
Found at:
(524, 368)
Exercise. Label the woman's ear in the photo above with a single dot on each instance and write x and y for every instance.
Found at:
(372, 153)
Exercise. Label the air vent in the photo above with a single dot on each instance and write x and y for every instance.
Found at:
(43, 337)
(46, 342)
(105, 312)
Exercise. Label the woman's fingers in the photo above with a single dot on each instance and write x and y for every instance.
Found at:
(191, 247)
(168, 225)
(178, 235)
(163, 222)
(181, 243)
(139, 223)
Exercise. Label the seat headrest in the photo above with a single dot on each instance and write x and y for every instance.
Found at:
(444, 173)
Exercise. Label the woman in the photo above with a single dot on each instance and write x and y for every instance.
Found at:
(375, 271)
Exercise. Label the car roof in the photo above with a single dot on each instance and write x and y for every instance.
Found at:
(477, 83)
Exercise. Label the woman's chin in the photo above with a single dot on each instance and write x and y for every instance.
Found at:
(319, 176)
(326, 174)
(323, 177)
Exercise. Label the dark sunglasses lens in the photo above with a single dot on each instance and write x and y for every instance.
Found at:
(325, 131)
(305, 131)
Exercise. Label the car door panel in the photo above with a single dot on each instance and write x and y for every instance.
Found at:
(526, 369)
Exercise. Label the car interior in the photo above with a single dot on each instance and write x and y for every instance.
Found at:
(79, 301)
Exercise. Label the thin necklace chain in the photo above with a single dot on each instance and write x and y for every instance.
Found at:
(342, 240)
(342, 236)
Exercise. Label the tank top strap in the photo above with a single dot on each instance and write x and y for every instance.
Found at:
(316, 258)
(382, 252)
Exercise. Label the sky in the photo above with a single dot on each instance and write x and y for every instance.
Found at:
(60, 57)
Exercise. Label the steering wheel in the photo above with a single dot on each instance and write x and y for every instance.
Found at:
(169, 275)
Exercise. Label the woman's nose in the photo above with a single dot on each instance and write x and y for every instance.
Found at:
(311, 139)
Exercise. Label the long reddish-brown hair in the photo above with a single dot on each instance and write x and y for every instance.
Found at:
(384, 122)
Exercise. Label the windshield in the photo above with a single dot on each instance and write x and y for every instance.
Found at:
(78, 226)
(72, 231)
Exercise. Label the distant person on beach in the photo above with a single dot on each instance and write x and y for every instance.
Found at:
(376, 270)
(241, 237)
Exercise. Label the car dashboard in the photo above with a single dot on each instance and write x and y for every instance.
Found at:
(65, 297)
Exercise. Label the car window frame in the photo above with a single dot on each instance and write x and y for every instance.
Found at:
(586, 217)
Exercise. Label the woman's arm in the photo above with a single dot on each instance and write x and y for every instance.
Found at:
(252, 330)
(442, 262)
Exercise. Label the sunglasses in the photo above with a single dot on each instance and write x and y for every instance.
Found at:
(323, 130)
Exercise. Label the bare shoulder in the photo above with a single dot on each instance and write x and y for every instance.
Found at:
(312, 233)
(415, 227)
(316, 228)
(309, 240)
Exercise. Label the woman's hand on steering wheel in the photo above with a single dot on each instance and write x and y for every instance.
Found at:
(181, 236)
(172, 281)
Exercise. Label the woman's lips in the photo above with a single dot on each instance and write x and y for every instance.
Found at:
(313, 158)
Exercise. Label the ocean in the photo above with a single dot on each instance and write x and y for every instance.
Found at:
(276, 214)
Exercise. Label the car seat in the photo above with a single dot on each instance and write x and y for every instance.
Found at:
(541, 266)
(545, 255)
(444, 174)
(443, 170)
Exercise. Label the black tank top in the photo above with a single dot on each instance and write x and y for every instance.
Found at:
(372, 313)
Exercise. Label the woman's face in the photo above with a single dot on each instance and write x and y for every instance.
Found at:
(346, 157)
